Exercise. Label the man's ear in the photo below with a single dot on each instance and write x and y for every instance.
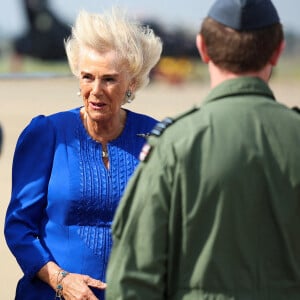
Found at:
(202, 48)
(277, 53)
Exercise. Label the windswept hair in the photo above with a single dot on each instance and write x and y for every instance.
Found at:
(136, 46)
(240, 51)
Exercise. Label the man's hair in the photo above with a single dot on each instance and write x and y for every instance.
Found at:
(240, 51)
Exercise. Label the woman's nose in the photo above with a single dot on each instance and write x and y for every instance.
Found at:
(97, 88)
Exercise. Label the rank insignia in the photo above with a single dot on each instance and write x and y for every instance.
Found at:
(161, 126)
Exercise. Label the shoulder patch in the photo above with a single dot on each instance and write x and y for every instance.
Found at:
(145, 152)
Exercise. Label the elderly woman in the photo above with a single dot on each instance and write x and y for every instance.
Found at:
(71, 168)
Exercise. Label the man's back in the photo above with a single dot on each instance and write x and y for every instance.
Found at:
(213, 210)
(221, 213)
(239, 209)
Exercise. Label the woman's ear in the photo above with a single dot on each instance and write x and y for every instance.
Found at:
(202, 48)
(277, 53)
(132, 84)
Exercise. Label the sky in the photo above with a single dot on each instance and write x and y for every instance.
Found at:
(186, 13)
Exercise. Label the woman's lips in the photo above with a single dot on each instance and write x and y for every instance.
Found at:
(96, 105)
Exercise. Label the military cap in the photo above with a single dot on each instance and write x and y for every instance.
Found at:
(244, 15)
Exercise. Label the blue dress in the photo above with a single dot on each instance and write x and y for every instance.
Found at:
(64, 198)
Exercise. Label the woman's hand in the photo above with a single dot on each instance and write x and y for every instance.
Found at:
(76, 287)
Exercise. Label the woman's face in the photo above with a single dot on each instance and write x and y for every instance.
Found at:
(103, 84)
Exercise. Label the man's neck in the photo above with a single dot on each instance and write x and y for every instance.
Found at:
(218, 75)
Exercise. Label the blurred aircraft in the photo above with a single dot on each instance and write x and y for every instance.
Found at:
(45, 36)
(46, 33)
(179, 48)
(176, 43)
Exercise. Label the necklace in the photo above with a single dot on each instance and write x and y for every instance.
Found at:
(104, 153)
(104, 146)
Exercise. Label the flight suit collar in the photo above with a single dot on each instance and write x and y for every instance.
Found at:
(238, 87)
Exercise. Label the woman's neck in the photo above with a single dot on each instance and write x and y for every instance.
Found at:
(103, 132)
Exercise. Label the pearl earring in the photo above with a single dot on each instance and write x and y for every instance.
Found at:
(79, 93)
(128, 95)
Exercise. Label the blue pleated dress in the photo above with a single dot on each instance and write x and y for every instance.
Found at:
(64, 198)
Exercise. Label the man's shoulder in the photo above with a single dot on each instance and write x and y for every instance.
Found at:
(296, 109)
(167, 122)
(173, 125)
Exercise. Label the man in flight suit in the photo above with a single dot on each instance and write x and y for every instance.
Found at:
(213, 211)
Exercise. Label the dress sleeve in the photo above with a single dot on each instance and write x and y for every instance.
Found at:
(31, 170)
(139, 258)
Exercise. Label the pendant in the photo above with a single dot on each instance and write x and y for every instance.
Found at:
(104, 154)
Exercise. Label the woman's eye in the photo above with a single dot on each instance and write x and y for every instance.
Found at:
(86, 77)
(109, 79)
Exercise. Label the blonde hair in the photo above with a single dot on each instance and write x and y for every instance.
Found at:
(136, 46)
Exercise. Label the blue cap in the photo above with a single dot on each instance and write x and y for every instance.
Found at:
(244, 14)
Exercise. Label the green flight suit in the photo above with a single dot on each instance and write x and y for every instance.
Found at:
(213, 212)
